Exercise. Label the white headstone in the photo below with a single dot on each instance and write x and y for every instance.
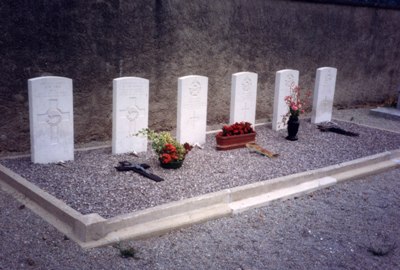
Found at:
(130, 114)
(192, 109)
(243, 97)
(323, 95)
(285, 81)
(51, 119)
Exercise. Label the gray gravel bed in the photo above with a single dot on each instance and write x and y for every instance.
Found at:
(90, 184)
(353, 225)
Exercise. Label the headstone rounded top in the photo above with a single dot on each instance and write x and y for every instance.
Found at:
(287, 70)
(244, 72)
(192, 76)
(49, 78)
(325, 68)
(130, 78)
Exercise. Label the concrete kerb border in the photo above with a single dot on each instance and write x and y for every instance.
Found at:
(56, 212)
(92, 230)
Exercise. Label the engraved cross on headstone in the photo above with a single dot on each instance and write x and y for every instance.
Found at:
(245, 110)
(132, 113)
(195, 88)
(193, 120)
(326, 105)
(53, 117)
(328, 78)
(246, 85)
(289, 81)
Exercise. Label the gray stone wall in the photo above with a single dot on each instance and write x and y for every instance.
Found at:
(95, 41)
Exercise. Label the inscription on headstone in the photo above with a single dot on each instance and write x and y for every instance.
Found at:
(323, 95)
(285, 80)
(130, 114)
(51, 119)
(192, 109)
(243, 97)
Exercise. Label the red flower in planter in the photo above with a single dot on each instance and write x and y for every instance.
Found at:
(188, 147)
(166, 146)
(169, 148)
(174, 156)
(236, 129)
(170, 153)
(166, 158)
(235, 136)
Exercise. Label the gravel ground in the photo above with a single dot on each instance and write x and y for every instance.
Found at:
(353, 225)
(91, 184)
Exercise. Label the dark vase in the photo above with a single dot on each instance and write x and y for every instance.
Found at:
(172, 165)
(293, 127)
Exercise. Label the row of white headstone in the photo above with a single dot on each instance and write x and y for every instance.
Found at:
(51, 109)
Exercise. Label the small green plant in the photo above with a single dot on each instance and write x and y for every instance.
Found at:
(166, 146)
(128, 252)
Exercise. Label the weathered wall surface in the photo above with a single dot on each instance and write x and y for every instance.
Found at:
(95, 41)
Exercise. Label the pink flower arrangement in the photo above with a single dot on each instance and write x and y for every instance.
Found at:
(296, 105)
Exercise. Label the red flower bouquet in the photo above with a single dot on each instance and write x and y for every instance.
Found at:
(170, 153)
(169, 150)
(236, 129)
(235, 136)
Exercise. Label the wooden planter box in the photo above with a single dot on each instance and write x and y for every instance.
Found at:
(233, 142)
